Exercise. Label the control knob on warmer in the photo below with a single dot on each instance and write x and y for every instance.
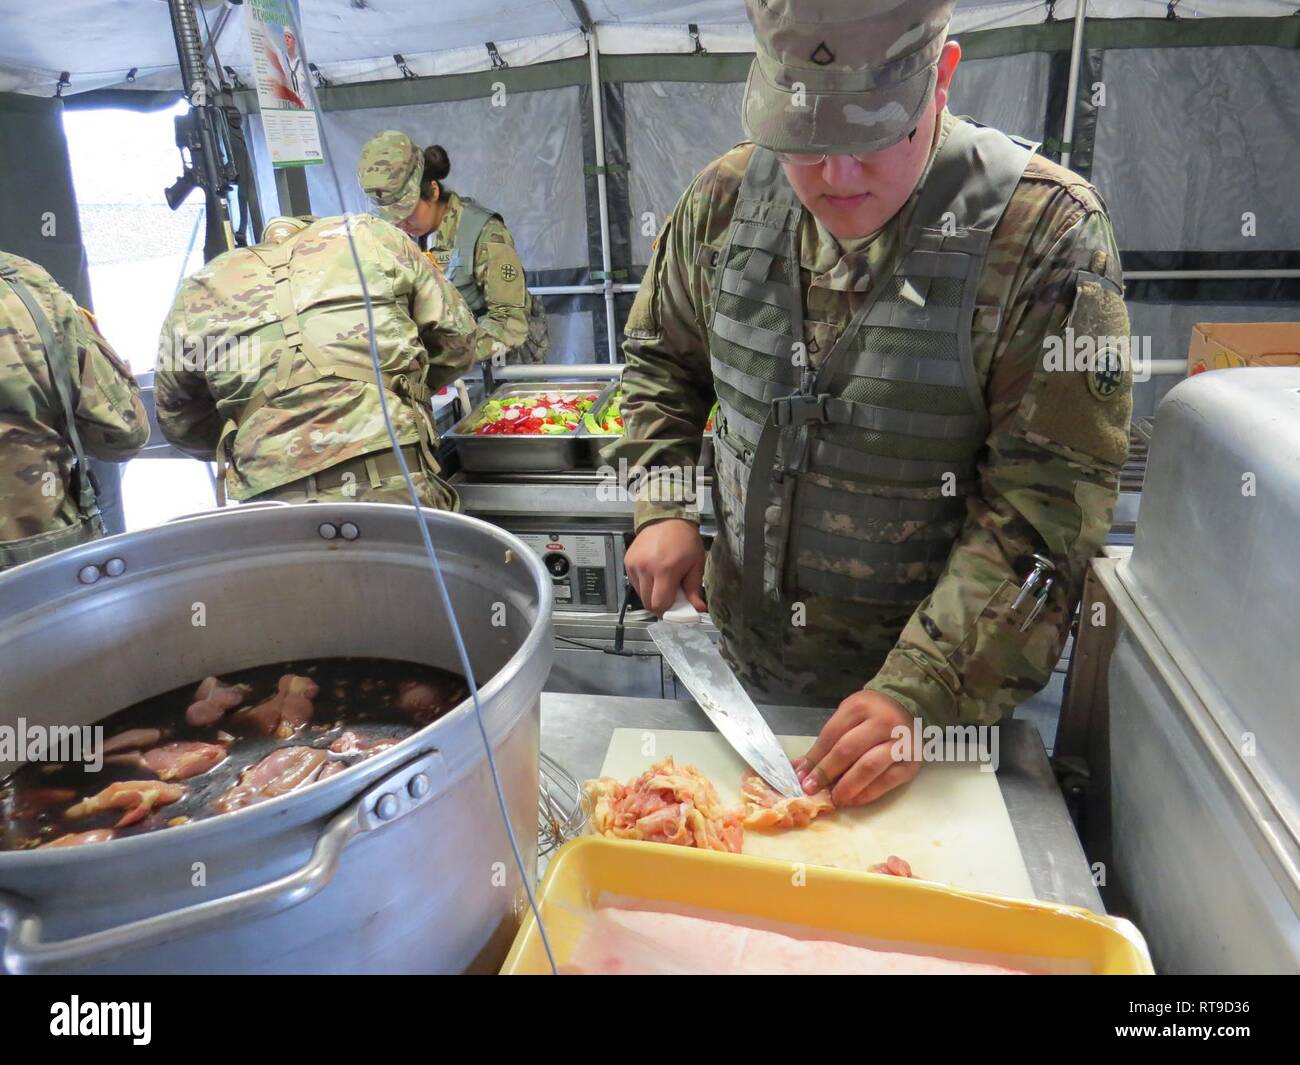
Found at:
(557, 564)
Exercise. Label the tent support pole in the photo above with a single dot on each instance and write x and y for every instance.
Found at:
(1072, 90)
(598, 121)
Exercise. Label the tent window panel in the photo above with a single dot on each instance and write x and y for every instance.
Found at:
(980, 90)
(523, 159)
(573, 336)
(674, 130)
(1213, 130)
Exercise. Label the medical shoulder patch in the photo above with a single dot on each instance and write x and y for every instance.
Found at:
(1106, 376)
(1081, 397)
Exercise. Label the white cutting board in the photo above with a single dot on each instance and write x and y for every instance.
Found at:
(949, 823)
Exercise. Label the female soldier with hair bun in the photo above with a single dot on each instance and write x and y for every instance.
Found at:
(467, 242)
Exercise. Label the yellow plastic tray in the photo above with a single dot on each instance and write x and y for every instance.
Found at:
(910, 912)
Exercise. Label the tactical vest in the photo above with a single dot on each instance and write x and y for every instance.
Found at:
(849, 480)
(91, 523)
(317, 366)
(458, 264)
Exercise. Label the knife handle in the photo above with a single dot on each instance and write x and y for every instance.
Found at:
(681, 610)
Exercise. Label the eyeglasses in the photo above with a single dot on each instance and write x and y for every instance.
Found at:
(806, 159)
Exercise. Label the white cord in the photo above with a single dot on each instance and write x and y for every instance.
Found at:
(428, 540)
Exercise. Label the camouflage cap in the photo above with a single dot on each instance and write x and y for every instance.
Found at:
(390, 170)
(841, 75)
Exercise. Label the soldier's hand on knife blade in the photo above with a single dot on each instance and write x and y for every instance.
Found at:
(854, 754)
(666, 556)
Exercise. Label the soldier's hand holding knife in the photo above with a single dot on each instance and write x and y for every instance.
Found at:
(665, 556)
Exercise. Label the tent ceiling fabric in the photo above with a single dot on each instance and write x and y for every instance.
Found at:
(354, 40)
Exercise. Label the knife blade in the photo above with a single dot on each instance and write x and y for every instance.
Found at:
(686, 647)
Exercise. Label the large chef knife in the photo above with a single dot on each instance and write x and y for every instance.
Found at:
(687, 648)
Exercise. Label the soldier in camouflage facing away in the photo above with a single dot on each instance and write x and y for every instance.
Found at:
(64, 395)
(264, 364)
(869, 289)
(468, 242)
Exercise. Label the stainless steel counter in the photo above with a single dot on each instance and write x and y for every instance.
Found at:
(576, 731)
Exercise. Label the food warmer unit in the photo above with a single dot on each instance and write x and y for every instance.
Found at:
(551, 493)
(1184, 696)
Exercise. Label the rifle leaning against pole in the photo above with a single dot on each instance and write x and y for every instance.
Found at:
(202, 136)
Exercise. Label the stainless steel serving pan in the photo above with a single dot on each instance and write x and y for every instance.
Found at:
(538, 453)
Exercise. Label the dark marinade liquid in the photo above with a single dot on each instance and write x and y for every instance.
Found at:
(358, 695)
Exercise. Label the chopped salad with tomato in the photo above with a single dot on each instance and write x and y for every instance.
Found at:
(610, 422)
(546, 413)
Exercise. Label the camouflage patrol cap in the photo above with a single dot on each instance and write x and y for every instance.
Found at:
(390, 170)
(841, 75)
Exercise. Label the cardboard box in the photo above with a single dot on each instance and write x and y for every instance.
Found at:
(1223, 345)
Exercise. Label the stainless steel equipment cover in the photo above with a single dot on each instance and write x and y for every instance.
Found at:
(371, 870)
(1204, 751)
(1216, 562)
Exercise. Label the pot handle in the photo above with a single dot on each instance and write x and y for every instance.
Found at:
(413, 785)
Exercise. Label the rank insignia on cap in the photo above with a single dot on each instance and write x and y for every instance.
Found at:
(822, 55)
(508, 272)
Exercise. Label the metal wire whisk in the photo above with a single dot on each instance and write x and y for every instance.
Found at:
(560, 809)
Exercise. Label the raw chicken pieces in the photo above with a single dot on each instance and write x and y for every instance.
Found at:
(670, 805)
(137, 797)
(180, 761)
(278, 773)
(768, 808)
(416, 697)
(284, 712)
(892, 866)
(665, 805)
(351, 743)
(132, 740)
(213, 698)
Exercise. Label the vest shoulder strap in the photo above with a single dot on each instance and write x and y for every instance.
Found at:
(764, 184)
(473, 218)
(972, 180)
(61, 378)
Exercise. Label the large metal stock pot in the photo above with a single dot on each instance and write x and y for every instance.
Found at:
(372, 870)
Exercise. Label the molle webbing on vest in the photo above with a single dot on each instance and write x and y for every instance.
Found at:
(850, 481)
(473, 218)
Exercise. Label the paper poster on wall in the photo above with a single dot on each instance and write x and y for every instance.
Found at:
(292, 133)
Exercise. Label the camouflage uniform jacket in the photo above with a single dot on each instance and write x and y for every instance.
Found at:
(499, 274)
(1047, 477)
(222, 341)
(35, 457)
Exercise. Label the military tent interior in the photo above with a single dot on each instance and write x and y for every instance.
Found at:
(1178, 109)
(582, 121)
